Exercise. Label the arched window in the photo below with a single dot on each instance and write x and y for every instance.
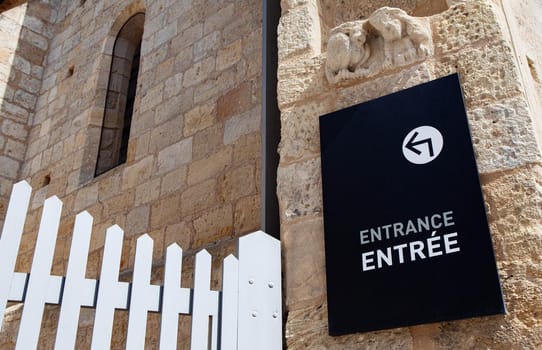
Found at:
(121, 92)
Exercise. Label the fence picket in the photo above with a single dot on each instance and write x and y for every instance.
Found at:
(230, 294)
(205, 305)
(78, 290)
(245, 315)
(40, 278)
(144, 296)
(175, 300)
(112, 294)
(10, 242)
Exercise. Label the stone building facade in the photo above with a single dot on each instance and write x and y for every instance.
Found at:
(194, 154)
(192, 168)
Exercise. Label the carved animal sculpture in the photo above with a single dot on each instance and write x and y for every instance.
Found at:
(394, 24)
(347, 49)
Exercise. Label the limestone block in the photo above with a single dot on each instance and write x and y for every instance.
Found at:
(180, 233)
(165, 134)
(137, 220)
(212, 226)
(165, 34)
(304, 261)
(147, 192)
(487, 73)
(389, 38)
(503, 136)
(165, 211)
(384, 85)
(208, 141)
(198, 198)
(246, 217)
(241, 125)
(152, 98)
(207, 45)
(236, 183)
(235, 101)
(137, 173)
(306, 328)
(173, 85)
(299, 32)
(301, 80)
(85, 197)
(300, 189)
(188, 37)
(199, 72)
(229, 55)
(14, 129)
(300, 131)
(215, 86)
(219, 19)
(9, 167)
(174, 181)
(210, 166)
(465, 23)
(247, 148)
(175, 155)
(199, 118)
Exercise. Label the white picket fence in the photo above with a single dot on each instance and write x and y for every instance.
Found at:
(245, 315)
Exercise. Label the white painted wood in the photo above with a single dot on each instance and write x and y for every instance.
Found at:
(144, 296)
(40, 279)
(112, 294)
(18, 285)
(230, 296)
(10, 243)
(250, 301)
(78, 290)
(260, 300)
(175, 300)
(205, 304)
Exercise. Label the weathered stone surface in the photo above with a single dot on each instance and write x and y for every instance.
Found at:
(503, 136)
(300, 80)
(385, 85)
(299, 32)
(300, 189)
(304, 262)
(300, 132)
(306, 328)
(487, 73)
(464, 24)
(212, 226)
(210, 167)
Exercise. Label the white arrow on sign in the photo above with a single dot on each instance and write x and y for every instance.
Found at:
(422, 145)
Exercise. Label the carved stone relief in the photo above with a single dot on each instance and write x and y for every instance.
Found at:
(388, 38)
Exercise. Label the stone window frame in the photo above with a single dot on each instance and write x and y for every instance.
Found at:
(87, 171)
(120, 95)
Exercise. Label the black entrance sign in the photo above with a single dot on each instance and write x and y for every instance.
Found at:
(406, 234)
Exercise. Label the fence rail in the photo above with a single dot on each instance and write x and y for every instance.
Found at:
(245, 315)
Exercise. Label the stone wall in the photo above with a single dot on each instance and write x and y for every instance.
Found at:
(25, 33)
(193, 168)
(473, 39)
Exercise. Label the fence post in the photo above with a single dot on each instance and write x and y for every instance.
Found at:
(260, 296)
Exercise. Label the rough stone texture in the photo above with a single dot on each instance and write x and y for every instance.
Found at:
(473, 39)
(193, 162)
